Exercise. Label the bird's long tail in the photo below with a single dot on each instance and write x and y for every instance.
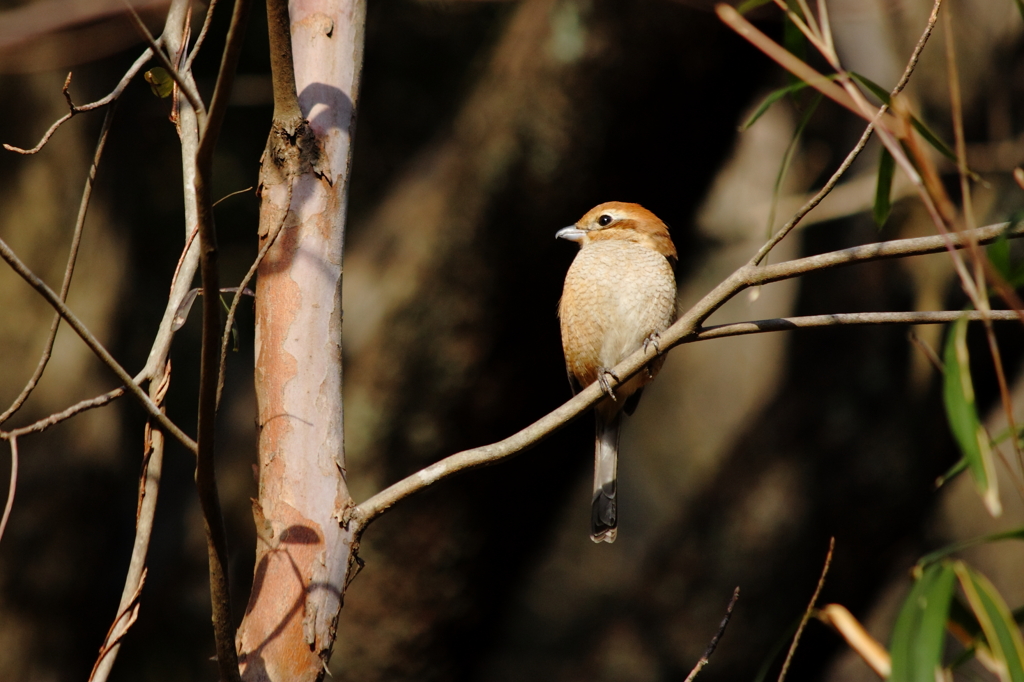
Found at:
(603, 514)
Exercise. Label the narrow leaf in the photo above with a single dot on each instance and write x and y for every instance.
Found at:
(958, 393)
(953, 472)
(918, 637)
(997, 624)
(160, 82)
(771, 99)
(875, 89)
(883, 190)
(787, 158)
(934, 141)
(1012, 534)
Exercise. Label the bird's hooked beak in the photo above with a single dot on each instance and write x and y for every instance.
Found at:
(572, 233)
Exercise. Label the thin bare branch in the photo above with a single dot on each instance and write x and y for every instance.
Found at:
(126, 617)
(149, 488)
(847, 320)
(209, 364)
(76, 240)
(808, 611)
(229, 322)
(187, 88)
(714, 640)
(891, 249)
(40, 286)
(202, 35)
(927, 350)
(112, 97)
(232, 194)
(685, 329)
(12, 486)
(858, 148)
(803, 71)
(64, 415)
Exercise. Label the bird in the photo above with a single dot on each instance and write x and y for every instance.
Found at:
(619, 294)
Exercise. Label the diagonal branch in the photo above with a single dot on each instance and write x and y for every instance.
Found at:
(209, 372)
(112, 97)
(779, 324)
(186, 86)
(76, 240)
(686, 329)
(39, 285)
(58, 417)
(859, 147)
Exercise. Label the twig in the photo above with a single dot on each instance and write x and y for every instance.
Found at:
(112, 97)
(229, 322)
(149, 488)
(39, 285)
(892, 249)
(64, 415)
(232, 194)
(714, 640)
(687, 326)
(209, 365)
(12, 486)
(803, 71)
(846, 319)
(126, 617)
(858, 148)
(76, 240)
(808, 612)
(202, 35)
(928, 351)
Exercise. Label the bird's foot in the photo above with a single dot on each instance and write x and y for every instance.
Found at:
(653, 339)
(603, 374)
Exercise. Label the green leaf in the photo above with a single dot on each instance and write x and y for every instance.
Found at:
(1012, 534)
(919, 634)
(935, 142)
(875, 89)
(958, 393)
(997, 624)
(787, 158)
(1020, 7)
(953, 472)
(771, 99)
(160, 82)
(883, 190)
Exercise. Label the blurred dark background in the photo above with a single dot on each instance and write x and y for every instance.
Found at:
(483, 127)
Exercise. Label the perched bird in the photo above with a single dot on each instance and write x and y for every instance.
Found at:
(619, 293)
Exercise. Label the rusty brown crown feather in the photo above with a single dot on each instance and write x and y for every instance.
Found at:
(630, 222)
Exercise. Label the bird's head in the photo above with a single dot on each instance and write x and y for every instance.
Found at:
(622, 221)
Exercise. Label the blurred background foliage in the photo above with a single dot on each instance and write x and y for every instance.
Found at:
(483, 127)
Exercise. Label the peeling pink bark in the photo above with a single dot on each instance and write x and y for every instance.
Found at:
(303, 554)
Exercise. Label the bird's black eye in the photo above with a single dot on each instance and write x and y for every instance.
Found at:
(604, 220)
